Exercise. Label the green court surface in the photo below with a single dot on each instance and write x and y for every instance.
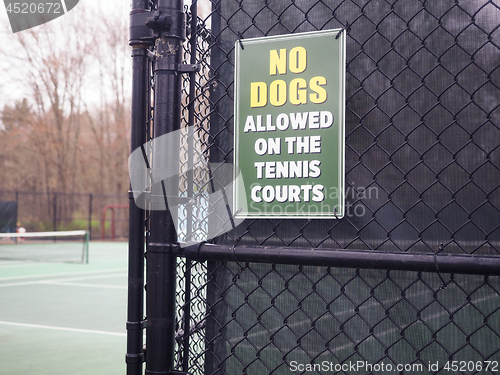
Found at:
(65, 318)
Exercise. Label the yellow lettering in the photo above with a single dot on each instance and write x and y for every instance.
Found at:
(277, 93)
(298, 59)
(277, 62)
(297, 93)
(258, 94)
(320, 92)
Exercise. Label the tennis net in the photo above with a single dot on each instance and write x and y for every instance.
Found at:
(60, 246)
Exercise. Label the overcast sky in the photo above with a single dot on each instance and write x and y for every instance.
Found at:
(9, 90)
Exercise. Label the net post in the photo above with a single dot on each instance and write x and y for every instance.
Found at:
(54, 218)
(90, 215)
(86, 238)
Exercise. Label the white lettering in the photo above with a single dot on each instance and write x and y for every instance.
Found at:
(254, 192)
(298, 121)
(259, 165)
(249, 125)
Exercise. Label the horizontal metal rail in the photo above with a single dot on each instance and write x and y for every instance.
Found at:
(403, 261)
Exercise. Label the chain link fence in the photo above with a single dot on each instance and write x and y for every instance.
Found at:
(103, 215)
(422, 177)
(278, 319)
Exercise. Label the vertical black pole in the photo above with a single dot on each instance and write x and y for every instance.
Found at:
(140, 101)
(161, 263)
(54, 218)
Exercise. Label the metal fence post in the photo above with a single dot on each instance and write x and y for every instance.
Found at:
(135, 310)
(169, 22)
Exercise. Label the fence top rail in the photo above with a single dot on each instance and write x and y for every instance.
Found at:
(123, 195)
(404, 261)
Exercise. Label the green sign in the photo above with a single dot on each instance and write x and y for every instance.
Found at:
(289, 126)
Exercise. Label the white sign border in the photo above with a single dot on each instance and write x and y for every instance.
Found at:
(240, 214)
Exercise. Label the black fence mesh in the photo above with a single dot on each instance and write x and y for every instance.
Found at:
(422, 175)
(274, 319)
(104, 216)
(422, 114)
(277, 319)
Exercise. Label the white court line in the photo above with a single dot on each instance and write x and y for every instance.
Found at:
(61, 274)
(86, 285)
(364, 306)
(62, 280)
(21, 263)
(63, 328)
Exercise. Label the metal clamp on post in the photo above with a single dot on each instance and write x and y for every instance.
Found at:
(166, 248)
(146, 26)
(136, 326)
(159, 23)
(139, 33)
(134, 358)
(180, 68)
(192, 250)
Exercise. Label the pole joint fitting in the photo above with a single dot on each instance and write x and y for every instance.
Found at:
(146, 26)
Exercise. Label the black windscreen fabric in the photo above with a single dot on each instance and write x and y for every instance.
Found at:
(8, 217)
(422, 174)
(422, 121)
(268, 319)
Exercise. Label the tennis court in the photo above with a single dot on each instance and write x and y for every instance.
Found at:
(65, 318)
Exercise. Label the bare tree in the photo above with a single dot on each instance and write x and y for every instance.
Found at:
(109, 120)
(52, 64)
(74, 72)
